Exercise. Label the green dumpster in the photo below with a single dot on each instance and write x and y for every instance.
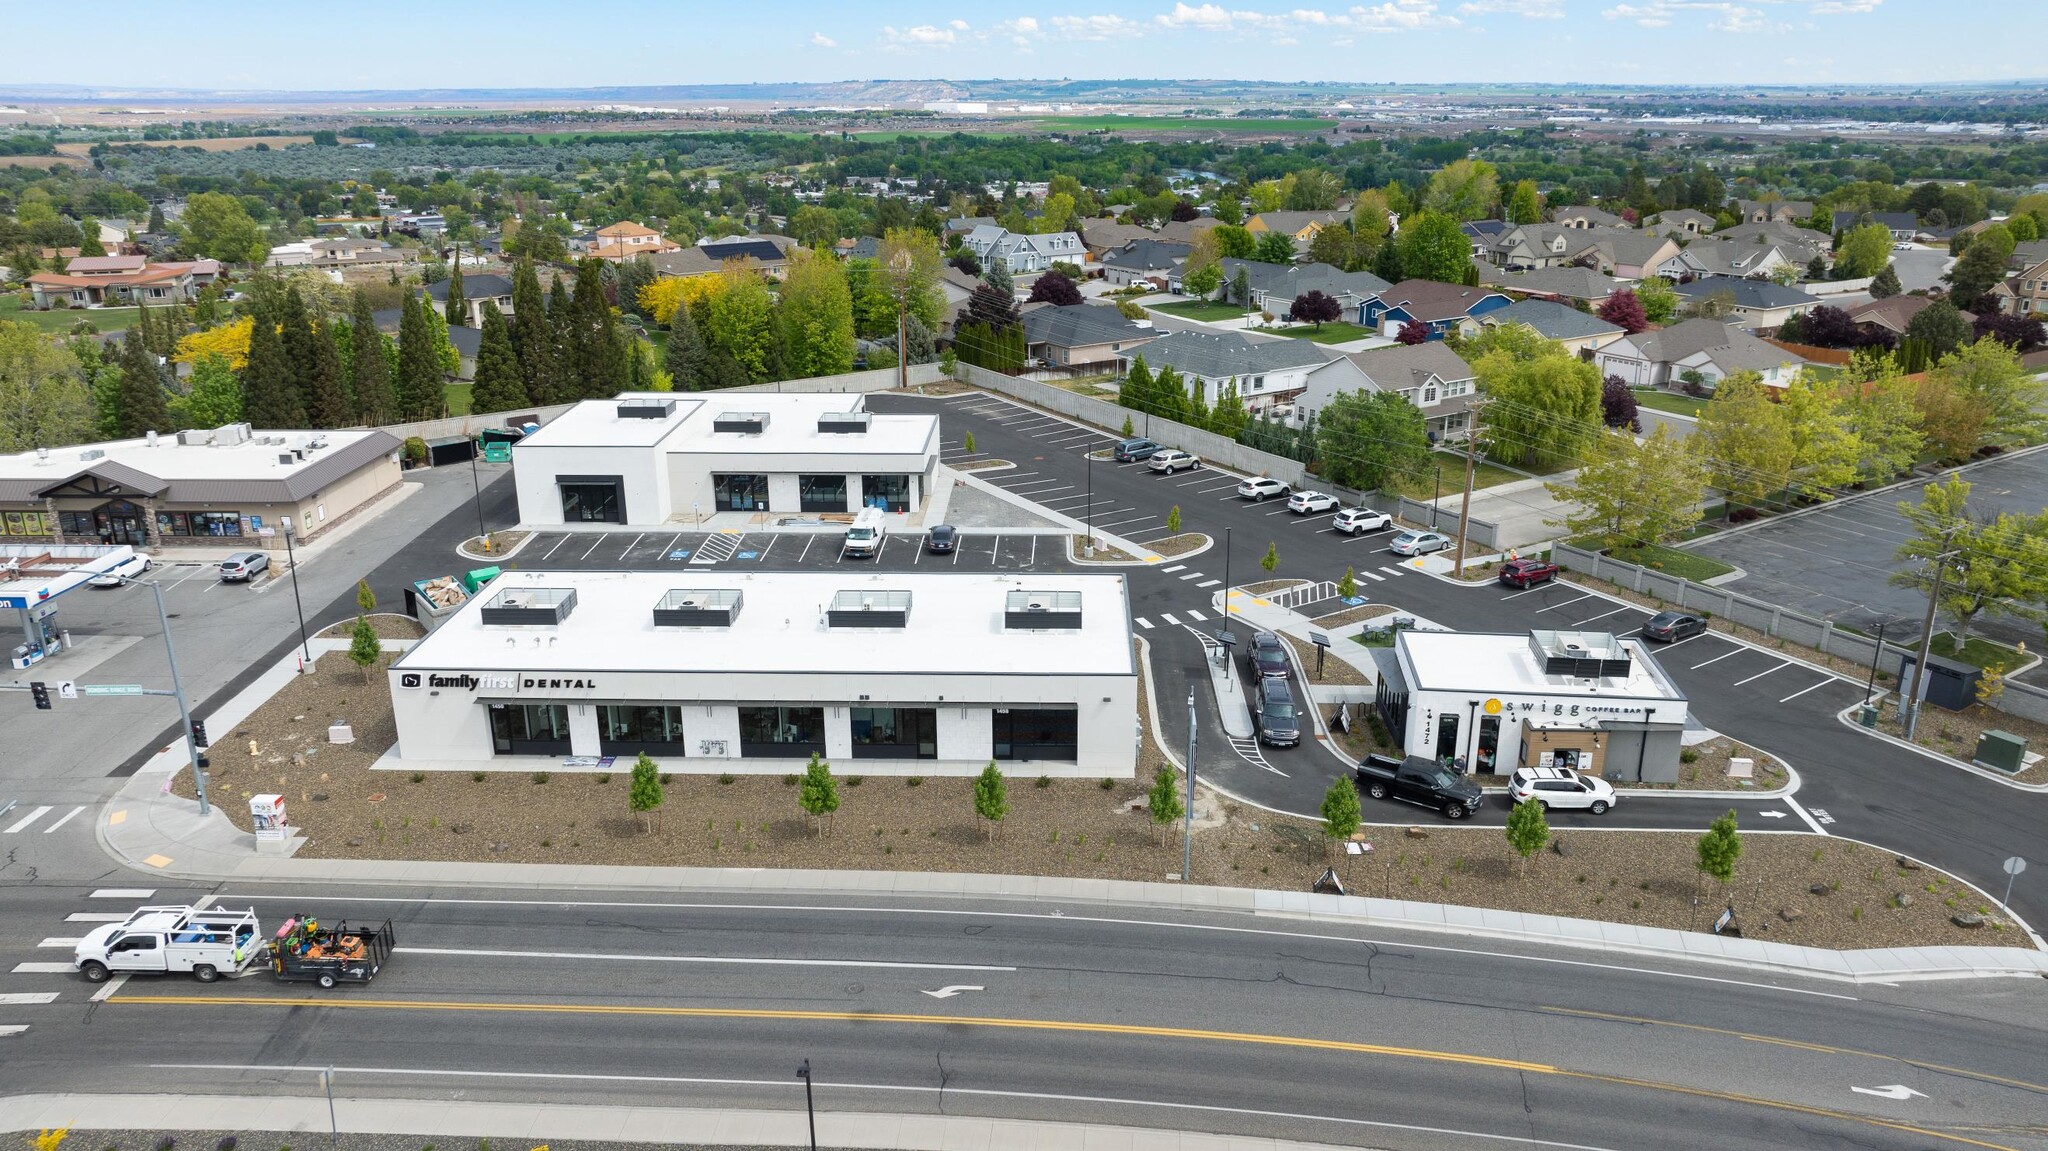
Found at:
(479, 578)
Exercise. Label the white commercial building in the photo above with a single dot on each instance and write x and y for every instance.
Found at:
(885, 674)
(652, 457)
(1584, 700)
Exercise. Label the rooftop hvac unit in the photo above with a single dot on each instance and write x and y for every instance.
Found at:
(92, 454)
(286, 458)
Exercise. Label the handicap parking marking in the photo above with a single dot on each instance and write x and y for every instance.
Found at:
(747, 555)
(680, 555)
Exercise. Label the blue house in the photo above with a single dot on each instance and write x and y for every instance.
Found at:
(1443, 307)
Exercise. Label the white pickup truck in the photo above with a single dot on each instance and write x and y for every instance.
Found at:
(207, 942)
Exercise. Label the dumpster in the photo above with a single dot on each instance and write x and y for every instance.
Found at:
(432, 601)
(479, 578)
(1948, 683)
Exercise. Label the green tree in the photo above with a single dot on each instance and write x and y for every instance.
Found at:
(1332, 244)
(269, 397)
(1528, 830)
(1431, 246)
(814, 226)
(1369, 440)
(1347, 588)
(1886, 284)
(1658, 298)
(1162, 802)
(644, 796)
(1203, 280)
(818, 794)
(736, 322)
(1718, 849)
(213, 396)
(90, 245)
(1234, 242)
(369, 367)
(420, 390)
(530, 337)
(1824, 448)
(1525, 206)
(1939, 330)
(1864, 250)
(1371, 223)
(1271, 559)
(497, 387)
(1227, 418)
(143, 407)
(1274, 248)
(685, 358)
(991, 798)
(1542, 402)
(44, 397)
(216, 224)
(1340, 810)
(1631, 494)
(326, 394)
(2024, 228)
(1981, 267)
(817, 318)
(366, 600)
(1463, 190)
(364, 648)
(598, 366)
(1136, 389)
(1989, 563)
(1746, 441)
(1173, 520)
(1990, 372)
(1881, 414)
(456, 309)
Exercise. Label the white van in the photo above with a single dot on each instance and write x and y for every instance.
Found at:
(864, 538)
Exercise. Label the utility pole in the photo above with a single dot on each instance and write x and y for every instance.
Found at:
(1910, 706)
(1187, 835)
(902, 265)
(1465, 506)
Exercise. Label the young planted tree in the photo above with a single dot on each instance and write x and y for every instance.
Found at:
(818, 794)
(1173, 520)
(1271, 559)
(967, 442)
(364, 648)
(1347, 588)
(1341, 813)
(1528, 831)
(645, 795)
(1163, 801)
(991, 798)
(1618, 407)
(366, 600)
(1719, 848)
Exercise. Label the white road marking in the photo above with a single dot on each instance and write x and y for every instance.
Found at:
(1802, 813)
(1209, 583)
(1195, 615)
(1374, 577)
(95, 917)
(25, 820)
(556, 548)
(950, 991)
(68, 817)
(113, 985)
(1761, 674)
(123, 893)
(59, 941)
(1565, 603)
(1192, 575)
(737, 960)
(1392, 570)
(1168, 617)
(1523, 592)
(1142, 622)
(42, 969)
(1175, 568)
(24, 998)
(594, 545)
(1804, 690)
(1770, 815)
(1616, 611)
(1892, 1091)
(12, 1028)
(629, 547)
(1718, 658)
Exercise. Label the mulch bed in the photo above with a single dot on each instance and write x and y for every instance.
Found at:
(385, 624)
(1055, 827)
(1954, 733)
(981, 465)
(1353, 615)
(1178, 545)
(1265, 586)
(1709, 770)
(1105, 552)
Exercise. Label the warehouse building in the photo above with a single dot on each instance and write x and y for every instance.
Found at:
(649, 458)
(1492, 703)
(895, 674)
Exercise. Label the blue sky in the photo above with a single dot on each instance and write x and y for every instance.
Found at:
(456, 43)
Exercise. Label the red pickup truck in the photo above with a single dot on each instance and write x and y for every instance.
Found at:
(1527, 573)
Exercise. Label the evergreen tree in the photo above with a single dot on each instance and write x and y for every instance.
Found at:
(1136, 391)
(157, 224)
(566, 382)
(457, 309)
(295, 333)
(370, 382)
(685, 357)
(142, 389)
(597, 363)
(498, 387)
(420, 389)
(997, 276)
(530, 339)
(269, 398)
(326, 394)
(1886, 284)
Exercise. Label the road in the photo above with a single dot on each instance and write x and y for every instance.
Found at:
(1086, 1014)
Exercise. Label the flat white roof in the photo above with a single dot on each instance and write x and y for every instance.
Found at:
(955, 627)
(172, 460)
(792, 426)
(1499, 664)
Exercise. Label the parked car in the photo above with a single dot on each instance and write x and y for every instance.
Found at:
(1261, 487)
(1306, 503)
(1277, 722)
(1358, 521)
(941, 539)
(1902, 246)
(1420, 543)
(1131, 451)
(1527, 573)
(1672, 626)
(1267, 655)
(1561, 788)
(1170, 461)
(1420, 782)
(243, 566)
(129, 568)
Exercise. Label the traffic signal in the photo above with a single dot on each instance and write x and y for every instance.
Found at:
(198, 733)
(42, 693)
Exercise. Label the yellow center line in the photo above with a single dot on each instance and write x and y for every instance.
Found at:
(1078, 1026)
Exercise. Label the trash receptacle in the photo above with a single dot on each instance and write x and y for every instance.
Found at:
(1867, 715)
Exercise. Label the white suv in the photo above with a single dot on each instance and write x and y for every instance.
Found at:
(1356, 521)
(1261, 487)
(1172, 461)
(1561, 788)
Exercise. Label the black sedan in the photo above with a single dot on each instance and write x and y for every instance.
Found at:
(941, 539)
(1672, 626)
(1267, 655)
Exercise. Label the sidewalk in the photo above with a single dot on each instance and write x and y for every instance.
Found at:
(537, 1123)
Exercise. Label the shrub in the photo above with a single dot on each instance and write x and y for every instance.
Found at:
(789, 780)
(913, 781)
(476, 777)
(419, 777)
(855, 780)
(540, 777)
(725, 779)
(1042, 782)
(1688, 755)
(415, 449)
(1108, 784)
(604, 777)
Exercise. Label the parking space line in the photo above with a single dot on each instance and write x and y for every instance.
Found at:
(1120, 523)
(556, 548)
(593, 547)
(1761, 674)
(631, 546)
(1192, 575)
(1175, 568)
(1804, 690)
(1209, 583)
(763, 557)
(1616, 611)
(1390, 569)
(1523, 592)
(1142, 622)
(1739, 649)
(809, 539)
(1566, 603)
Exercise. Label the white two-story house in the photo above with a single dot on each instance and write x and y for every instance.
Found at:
(1024, 254)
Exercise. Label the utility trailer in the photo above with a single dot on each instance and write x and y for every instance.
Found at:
(306, 952)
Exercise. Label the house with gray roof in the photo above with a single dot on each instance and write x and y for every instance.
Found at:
(1430, 375)
(1766, 211)
(1274, 286)
(1024, 254)
(1586, 216)
(1582, 284)
(477, 290)
(1081, 335)
(1902, 225)
(1143, 260)
(1662, 357)
(1760, 304)
(1268, 373)
(1578, 331)
(1687, 221)
(1733, 259)
(1105, 236)
(1441, 308)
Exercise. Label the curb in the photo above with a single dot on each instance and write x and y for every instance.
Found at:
(1842, 717)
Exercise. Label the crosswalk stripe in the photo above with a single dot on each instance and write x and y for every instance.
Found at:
(59, 941)
(123, 893)
(1394, 570)
(1209, 583)
(1175, 568)
(1192, 575)
(25, 820)
(1374, 577)
(68, 817)
(24, 998)
(12, 1028)
(1168, 617)
(95, 917)
(1142, 622)
(42, 969)
(1195, 615)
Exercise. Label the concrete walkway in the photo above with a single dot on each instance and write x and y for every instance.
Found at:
(538, 1123)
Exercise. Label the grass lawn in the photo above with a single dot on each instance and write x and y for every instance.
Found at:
(458, 399)
(1335, 332)
(1669, 402)
(1672, 561)
(1199, 310)
(1977, 651)
(60, 320)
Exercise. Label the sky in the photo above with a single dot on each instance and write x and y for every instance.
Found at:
(537, 43)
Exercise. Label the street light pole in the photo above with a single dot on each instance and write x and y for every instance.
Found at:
(1090, 513)
(163, 620)
(477, 483)
(291, 561)
(1187, 836)
(1226, 579)
(803, 1072)
(1870, 689)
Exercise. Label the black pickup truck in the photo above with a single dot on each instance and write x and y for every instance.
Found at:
(1420, 782)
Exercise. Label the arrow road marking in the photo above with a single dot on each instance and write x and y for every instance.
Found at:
(1894, 1091)
(950, 992)
(1772, 814)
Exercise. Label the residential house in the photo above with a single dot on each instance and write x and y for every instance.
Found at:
(1021, 253)
(1484, 234)
(2026, 255)
(1441, 307)
(1148, 260)
(1761, 304)
(1797, 243)
(477, 290)
(1687, 221)
(1430, 376)
(296, 254)
(1893, 314)
(961, 225)
(1661, 357)
(623, 241)
(1580, 332)
(1528, 246)
(466, 341)
(1628, 254)
(1301, 227)
(1080, 335)
(1585, 216)
(1902, 225)
(1768, 211)
(1729, 258)
(1268, 373)
(2025, 294)
(1105, 236)
(756, 254)
(1185, 231)
(1275, 286)
(958, 288)
(98, 281)
(1566, 284)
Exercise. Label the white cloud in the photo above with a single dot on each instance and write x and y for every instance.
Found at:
(920, 36)
(1400, 15)
(1727, 16)
(1527, 9)
(1207, 16)
(1095, 27)
(1845, 7)
(959, 25)
(820, 40)
(1392, 15)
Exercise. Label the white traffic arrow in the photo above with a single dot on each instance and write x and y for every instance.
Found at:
(1894, 1091)
(950, 992)
(1772, 814)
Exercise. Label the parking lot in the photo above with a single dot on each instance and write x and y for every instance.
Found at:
(781, 551)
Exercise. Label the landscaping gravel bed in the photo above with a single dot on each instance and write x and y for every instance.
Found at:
(1954, 733)
(386, 624)
(1178, 545)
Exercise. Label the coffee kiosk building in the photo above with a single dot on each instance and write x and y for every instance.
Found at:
(882, 674)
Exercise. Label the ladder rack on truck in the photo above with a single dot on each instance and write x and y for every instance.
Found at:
(306, 952)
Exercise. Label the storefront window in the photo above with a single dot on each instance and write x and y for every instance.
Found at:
(173, 524)
(741, 493)
(216, 523)
(631, 728)
(891, 493)
(530, 728)
(776, 732)
(1045, 733)
(14, 525)
(78, 525)
(1489, 744)
(821, 493)
(590, 502)
(1446, 737)
(895, 733)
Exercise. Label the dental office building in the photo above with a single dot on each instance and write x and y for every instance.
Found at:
(1584, 700)
(711, 672)
(651, 458)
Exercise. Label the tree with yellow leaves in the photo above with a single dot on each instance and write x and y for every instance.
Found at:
(229, 341)
(662, 297)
